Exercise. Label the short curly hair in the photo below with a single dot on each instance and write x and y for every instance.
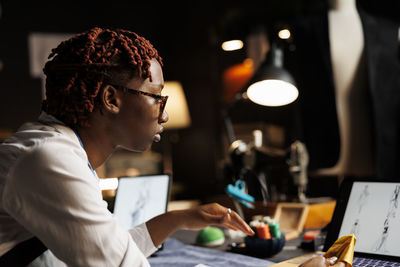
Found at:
(79, 67)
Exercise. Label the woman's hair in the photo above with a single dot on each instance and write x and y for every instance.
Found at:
(79, 67)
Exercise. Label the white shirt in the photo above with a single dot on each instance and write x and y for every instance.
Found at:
(47, 190)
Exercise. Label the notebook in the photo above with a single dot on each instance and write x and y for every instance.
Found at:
(371, 210)
(141, 198)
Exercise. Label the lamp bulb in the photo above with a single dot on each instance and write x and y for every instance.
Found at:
(272, 93)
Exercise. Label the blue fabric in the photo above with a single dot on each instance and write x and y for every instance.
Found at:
(177, 254)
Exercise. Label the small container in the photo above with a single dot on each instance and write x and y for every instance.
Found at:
(264, 248)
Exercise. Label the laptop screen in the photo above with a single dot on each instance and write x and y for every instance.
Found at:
(373, 215)
(139, 199)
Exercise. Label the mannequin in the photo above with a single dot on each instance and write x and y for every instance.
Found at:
(351, 92)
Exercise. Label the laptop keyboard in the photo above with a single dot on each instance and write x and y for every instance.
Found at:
(359, 262)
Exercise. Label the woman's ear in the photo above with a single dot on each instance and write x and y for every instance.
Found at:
(111, 99)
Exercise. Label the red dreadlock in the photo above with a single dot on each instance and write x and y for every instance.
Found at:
(78, 67)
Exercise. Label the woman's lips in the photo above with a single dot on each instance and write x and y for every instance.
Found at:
(157, 138)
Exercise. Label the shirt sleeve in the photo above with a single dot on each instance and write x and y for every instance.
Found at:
(142, 238)
(53, 194)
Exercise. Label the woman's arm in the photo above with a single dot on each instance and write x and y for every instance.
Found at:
(164, 225)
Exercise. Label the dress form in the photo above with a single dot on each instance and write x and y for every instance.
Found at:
(351, 92)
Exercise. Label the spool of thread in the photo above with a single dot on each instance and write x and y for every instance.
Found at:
(253, 225)
(275, 229)
(262, 231)
(267, 219)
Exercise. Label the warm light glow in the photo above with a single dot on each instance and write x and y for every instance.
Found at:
(108, 183)
(177, 107)
(248, 63)
(284, 34)
(272, 93)
(232, 45)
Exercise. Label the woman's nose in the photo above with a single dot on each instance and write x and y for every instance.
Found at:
(164, 117)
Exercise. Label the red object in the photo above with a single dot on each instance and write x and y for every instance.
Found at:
(235, 78)
(263, 231)
(310, 235)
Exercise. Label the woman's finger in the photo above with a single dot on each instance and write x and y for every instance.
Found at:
(241, 224)
(220, 215)
(234, 219)
(332, 260)
(340, 264)
(230, 227)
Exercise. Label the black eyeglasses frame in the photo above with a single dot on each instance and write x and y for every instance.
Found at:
(159, 98)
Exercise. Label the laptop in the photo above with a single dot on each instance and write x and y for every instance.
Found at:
(138, 199)
(370, 209)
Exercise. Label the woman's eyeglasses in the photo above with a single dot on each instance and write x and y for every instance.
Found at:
(159, 98)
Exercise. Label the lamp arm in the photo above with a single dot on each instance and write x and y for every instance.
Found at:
(227, 119)
(228, 126)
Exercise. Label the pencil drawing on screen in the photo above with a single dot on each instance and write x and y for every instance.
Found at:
(381, 243)
(362, 200)
(138, 206)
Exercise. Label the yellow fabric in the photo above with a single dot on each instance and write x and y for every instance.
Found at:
(343, 249)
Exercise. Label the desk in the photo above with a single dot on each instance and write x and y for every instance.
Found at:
(289, 251)
(178, 254)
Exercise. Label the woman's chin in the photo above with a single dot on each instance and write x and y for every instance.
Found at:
(141, 148)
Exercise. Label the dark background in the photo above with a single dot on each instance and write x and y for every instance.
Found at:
(188, 37)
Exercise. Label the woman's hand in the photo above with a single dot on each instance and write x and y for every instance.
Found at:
(214, 214)
(320, 261)
(164, 225)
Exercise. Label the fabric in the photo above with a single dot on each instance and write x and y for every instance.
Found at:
(343, 248)
(47, 190)
(311, 66)
(381, 24)
(177, 254)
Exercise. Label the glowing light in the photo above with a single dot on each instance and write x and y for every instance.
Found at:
(232, 45)
(177, 107)
(284, 34)
(108, 183)
(272, 93)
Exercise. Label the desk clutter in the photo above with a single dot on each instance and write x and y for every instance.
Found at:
(267, 242)
(210, 237)
(265, 227)
(293, 218)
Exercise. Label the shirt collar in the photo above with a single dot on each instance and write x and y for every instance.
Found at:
(49, 119)
(59, 126)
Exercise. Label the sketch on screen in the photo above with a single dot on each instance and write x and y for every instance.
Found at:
(362, 200)
(140, 199)
(381, 244)
(138, 206)
(372, 214)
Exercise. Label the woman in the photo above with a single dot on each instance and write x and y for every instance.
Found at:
(103, 92)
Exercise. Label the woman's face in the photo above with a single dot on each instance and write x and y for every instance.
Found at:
(139, 121)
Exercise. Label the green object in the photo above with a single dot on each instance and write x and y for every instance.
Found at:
(210, 237)
(274, 228)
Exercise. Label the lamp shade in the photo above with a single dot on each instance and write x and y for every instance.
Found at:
(272, 85)
(176, 107)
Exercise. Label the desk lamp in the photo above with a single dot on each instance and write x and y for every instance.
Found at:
(179, 117)
(177, 107)
(271, 85)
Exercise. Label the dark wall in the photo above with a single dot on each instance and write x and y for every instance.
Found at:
(180, 33)
(187, 36)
